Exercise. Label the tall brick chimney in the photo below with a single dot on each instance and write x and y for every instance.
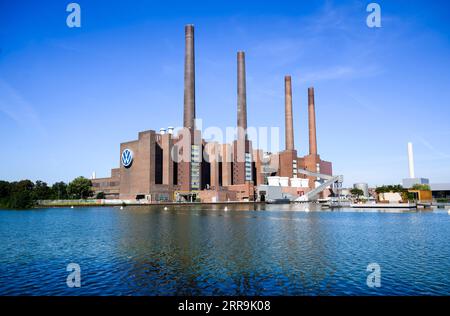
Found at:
(289, 126)
(242, 98)
(241, 145)
(189, 78)
(312, 123)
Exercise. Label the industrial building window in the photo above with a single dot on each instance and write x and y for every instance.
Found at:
(158, 164)
(175, 173)
(248, 167)
(195, 167)
(206, 174)
(206, 171)
(232, 172)
(162, 197)
(254, 173)
(220, 173)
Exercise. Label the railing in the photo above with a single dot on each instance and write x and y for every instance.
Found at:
(313, 193)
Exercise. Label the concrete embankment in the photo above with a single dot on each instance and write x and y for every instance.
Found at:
(95, 202)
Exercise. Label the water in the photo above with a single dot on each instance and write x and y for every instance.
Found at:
(204, 250)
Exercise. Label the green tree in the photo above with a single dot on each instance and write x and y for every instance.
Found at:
(23, 185)
(80, 188)
(59, 191)
(5, 189)
(100, 195)
(421, 187)
(357, 192)
(390, 188)
(408, 196)
(41, 191)
(21, 200)
(21, 195)
(5, 192)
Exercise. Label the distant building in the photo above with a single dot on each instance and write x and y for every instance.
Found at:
(440, 190)
(412, 180)
(363, 187)
(422, 195)
(409, 183)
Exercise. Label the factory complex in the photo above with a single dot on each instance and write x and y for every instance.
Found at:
(180, 166)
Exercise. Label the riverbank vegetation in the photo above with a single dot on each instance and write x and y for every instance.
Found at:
(24, 194)
(405, 193)
(421, 187)
(390, 188)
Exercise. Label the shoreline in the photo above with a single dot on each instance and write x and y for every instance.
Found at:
(96, 203)
(130, 203)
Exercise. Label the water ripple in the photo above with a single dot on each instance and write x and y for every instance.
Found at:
(273, 250)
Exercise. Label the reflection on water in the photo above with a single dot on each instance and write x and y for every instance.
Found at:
(206, 250)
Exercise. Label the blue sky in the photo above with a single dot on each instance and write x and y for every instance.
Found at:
(69, 96)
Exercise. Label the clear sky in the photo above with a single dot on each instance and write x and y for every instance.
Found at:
(69, 96)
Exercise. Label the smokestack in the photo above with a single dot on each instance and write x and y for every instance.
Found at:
(411, 160)
(312, 123)
(289, 125)
(242, 97)
(189, 78)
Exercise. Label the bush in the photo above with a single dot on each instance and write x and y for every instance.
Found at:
(100, 195)
(421, 187)
(390, 188)
(357, 192)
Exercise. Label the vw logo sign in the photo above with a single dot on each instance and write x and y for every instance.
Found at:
(127, 158)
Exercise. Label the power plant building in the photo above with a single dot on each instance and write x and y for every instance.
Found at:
(169, 166)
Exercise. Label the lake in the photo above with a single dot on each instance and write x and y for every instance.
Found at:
(205, 250)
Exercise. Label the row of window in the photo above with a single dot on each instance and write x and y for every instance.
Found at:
(195, 166)
(104, 184)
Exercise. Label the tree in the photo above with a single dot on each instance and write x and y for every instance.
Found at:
(21, 195)
(41, 191)
(390, 188)
(100, 195)
(23, 185)
(357, 192)
(5, 192)
(408, 196)
(80, 188)
(59, 191)
(21, 200)
(5, 189)
(421, 187)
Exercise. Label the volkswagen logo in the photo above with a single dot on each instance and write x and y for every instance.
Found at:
(127, 158)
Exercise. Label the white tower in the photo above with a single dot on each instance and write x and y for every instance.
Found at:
(411, 160)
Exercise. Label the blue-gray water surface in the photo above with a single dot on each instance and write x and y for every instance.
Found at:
(205, 250)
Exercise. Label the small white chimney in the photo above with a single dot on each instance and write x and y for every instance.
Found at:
(411, 160)
(94, 175)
